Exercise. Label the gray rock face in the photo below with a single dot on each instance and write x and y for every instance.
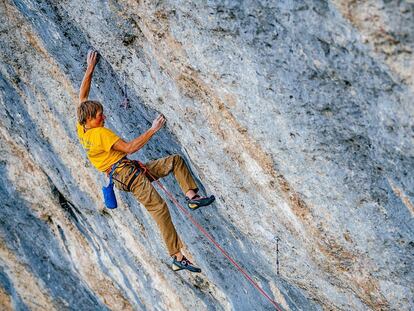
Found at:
(293, 113)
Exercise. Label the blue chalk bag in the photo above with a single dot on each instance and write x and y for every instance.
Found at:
(108, 191)
(109, 195)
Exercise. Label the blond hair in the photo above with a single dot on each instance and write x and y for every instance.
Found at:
(88, 109)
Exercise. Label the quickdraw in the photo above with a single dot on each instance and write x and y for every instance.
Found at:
(125, 101)
(209, 237)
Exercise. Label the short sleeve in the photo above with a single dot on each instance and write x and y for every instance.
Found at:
(108, 138)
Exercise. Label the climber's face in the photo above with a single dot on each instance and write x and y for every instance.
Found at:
(98, 121)
(100, 117)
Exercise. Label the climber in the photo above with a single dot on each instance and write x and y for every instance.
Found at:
(107, 151)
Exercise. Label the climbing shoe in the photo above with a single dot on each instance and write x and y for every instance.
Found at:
(198, 201)
(184, 264)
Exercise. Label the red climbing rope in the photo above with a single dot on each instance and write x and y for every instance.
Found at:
(187, 213)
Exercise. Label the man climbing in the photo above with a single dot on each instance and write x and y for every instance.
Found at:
(107, 152)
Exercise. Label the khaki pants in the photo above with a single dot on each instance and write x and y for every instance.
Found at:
(148, 196)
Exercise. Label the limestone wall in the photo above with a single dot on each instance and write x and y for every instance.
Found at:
(297, 115)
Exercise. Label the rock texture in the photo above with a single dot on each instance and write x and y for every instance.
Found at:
(298, 115)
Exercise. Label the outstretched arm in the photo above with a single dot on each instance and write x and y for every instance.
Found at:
(92, 60)
(139, 142)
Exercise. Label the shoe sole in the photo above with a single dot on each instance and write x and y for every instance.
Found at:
(193, 206)
(176, 268)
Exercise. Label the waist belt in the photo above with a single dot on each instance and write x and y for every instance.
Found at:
(114, 166)
(110, 171)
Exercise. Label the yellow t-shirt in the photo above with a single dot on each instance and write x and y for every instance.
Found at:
(98, 143)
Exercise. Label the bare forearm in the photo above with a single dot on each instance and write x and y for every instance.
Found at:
(86, 84)
(139, 142)
(91, 60)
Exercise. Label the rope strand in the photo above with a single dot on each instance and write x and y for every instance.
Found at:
(206, 234)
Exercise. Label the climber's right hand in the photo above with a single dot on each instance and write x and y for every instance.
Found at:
(92, 59)
(158, 123)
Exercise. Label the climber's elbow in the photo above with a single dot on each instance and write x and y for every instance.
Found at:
(123, 146)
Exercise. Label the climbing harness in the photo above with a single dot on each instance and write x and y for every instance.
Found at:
(208, 236)
(108, 191)
(136, 169)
